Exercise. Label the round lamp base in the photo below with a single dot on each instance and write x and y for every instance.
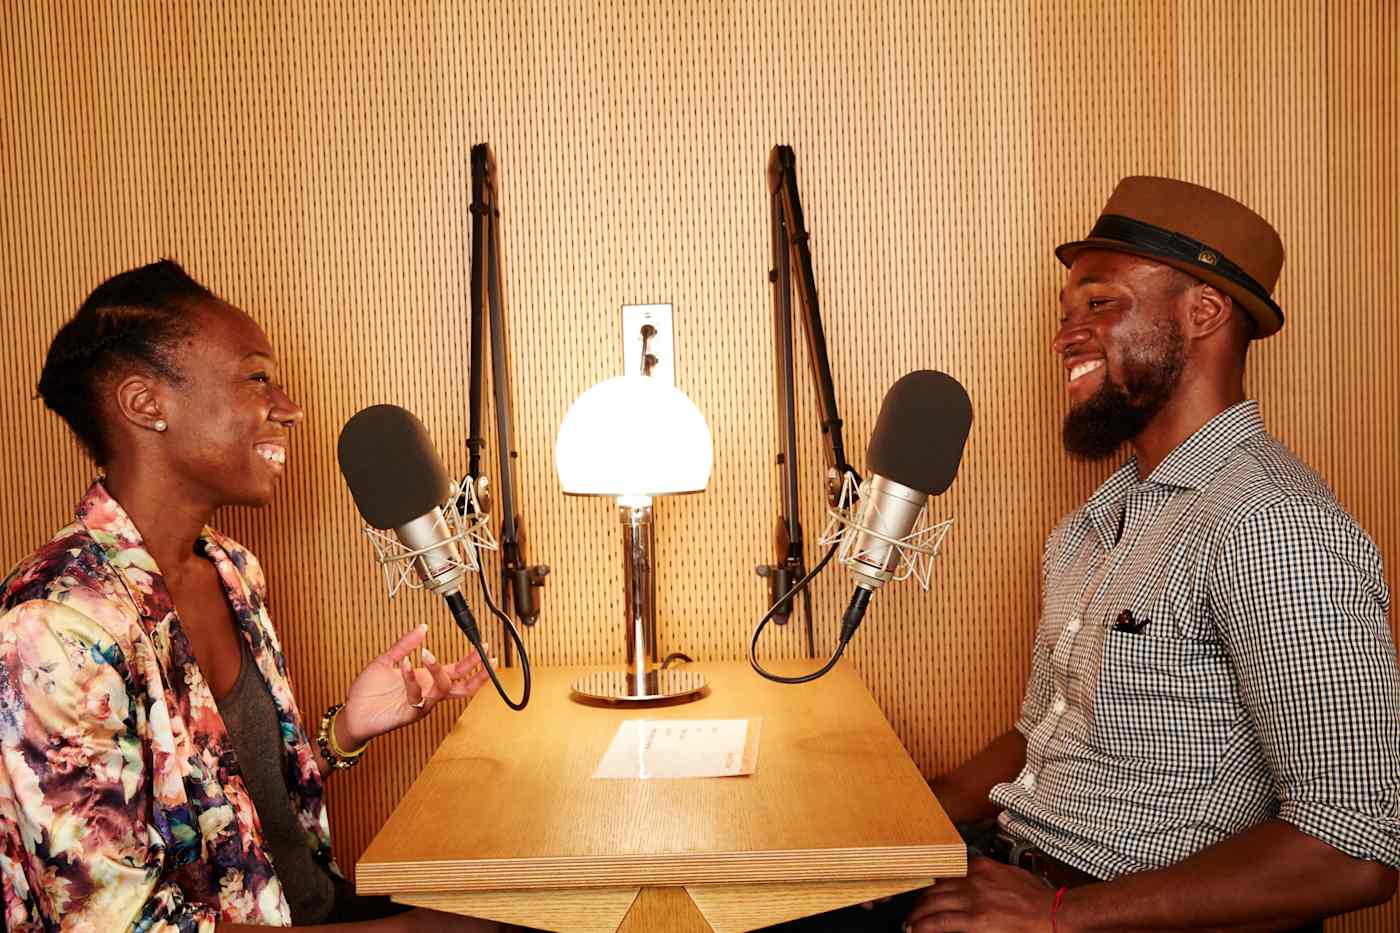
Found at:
(623, 687)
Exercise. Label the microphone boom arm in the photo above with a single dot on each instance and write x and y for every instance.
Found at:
(792, 232)
(789, 243)
(520, 580)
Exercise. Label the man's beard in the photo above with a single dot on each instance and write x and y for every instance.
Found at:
(1099, 425)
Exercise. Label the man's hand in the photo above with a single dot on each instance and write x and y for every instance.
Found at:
(993, 898)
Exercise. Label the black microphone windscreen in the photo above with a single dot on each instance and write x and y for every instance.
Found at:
(393, 472)
(919, 437)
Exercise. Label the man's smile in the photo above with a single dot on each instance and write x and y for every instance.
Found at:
(1079, 370)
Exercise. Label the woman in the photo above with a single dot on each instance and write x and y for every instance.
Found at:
(153, 764)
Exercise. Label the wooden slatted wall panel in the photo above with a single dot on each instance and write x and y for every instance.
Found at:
(309, 161)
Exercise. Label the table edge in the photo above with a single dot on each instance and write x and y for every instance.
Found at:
(857, 864)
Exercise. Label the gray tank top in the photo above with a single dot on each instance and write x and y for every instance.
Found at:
(251, 719)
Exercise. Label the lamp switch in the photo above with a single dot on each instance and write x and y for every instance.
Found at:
(647, 346)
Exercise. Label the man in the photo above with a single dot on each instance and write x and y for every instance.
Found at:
(1210, 738)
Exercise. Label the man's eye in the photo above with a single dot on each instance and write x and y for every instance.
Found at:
(260, 377)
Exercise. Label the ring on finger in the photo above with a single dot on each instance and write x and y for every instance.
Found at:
(419, 704)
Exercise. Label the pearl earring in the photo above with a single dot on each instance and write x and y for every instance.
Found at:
(160, 424)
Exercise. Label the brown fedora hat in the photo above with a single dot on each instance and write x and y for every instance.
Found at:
(1199, 231)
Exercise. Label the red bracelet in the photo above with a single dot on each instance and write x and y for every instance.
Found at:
(1055, 909)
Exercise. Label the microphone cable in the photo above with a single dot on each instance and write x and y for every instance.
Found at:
(849, 623)
(508, 627)
(462, 615)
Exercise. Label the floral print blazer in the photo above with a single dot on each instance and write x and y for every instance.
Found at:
(122, 806)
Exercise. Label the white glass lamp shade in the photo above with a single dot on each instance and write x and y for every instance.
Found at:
(633, 436)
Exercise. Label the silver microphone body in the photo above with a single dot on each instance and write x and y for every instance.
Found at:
(440, 566)
(886, 513)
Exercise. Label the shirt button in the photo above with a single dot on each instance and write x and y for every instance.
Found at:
(1073, 625)
(1028, 780)
(1059, 704)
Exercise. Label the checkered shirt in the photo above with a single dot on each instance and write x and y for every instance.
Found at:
(1223, 660)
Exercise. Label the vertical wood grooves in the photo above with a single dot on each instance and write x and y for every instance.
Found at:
(310, 163)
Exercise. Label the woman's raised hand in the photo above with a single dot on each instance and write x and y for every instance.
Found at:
(392, 691)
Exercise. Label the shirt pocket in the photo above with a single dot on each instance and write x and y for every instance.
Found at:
(1166, 705)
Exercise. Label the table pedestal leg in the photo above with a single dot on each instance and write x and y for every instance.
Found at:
(664, 910)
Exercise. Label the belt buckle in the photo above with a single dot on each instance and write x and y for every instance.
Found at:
(1015, 848)
(1023, 854)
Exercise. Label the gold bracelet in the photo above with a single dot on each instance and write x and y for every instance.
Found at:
(330, 748)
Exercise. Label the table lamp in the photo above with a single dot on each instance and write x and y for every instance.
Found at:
(635, 437)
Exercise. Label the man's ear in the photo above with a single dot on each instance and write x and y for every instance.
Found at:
(1210, 310)
(138, 401)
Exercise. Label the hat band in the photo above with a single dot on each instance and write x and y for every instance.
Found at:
(1169, 245)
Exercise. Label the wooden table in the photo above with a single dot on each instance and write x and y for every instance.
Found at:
(506, 821)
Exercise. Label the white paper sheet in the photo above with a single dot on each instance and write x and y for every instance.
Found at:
(681, 748)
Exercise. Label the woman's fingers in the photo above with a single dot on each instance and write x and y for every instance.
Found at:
(474, 681)
(468, 665)
(401, 649)
(442, 681)
(425, 687)
(413, 693)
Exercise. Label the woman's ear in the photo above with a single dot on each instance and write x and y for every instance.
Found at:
(138, 402)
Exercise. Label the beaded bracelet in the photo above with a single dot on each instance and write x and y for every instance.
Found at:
(330, 749)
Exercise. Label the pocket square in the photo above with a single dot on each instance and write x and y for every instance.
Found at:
(1126, 623)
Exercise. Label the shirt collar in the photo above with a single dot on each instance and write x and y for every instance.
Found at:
(112, 528)
(124, 549)
(1190, 466)
(1198, 458)
(1104, 508)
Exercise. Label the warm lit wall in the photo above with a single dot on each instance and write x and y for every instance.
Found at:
(309, 162)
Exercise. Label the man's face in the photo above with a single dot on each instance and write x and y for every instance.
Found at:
(1122, 347)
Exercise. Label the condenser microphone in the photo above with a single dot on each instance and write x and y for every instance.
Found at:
(398, 483)
(914, 453)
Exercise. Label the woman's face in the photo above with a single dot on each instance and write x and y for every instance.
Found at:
(228, 420)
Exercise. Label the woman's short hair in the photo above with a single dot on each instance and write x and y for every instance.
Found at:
(135, 318)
